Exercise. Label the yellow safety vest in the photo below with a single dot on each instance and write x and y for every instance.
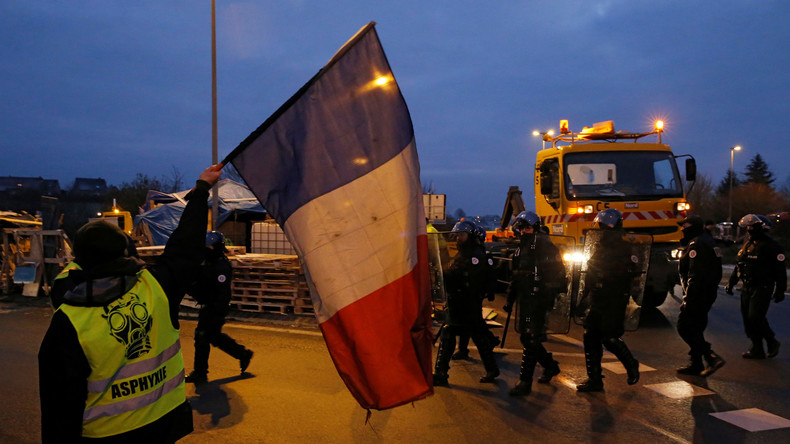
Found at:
(137, 370)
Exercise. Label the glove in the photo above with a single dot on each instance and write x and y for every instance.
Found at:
(779, 297)
(728, 289)
(507, 308)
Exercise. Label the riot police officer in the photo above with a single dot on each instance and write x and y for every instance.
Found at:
(491, 282)
(610, 271)
(761, 266)
(213, 291)
(700, 274)
(538, 275)
(466, 281)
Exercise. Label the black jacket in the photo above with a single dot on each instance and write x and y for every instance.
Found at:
(700, 267)
(466, 283)
(761, 263)
(63, 368)
(213, 287)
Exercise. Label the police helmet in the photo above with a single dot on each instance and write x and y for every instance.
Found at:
(215, 240)
(466, 226)
(609, 218)
(752, 222)
(526, 219)
(480, 235)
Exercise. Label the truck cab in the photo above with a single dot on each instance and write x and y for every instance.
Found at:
(584, 173)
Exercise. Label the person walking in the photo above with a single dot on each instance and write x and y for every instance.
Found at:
(700, 274)
(761, 267)
(466, 282)
(610, 271)
(538, 276)
(213, 291)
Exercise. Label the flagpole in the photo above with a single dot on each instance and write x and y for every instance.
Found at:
(215, 188)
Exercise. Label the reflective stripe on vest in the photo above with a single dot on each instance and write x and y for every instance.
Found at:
(137, 370)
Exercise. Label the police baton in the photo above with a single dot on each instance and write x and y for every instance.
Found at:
(504, 334)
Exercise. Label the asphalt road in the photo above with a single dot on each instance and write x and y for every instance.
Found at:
(294, 394)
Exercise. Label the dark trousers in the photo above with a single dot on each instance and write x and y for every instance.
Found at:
(208, 333)
(693, 320)
(479, 334)
(754, 308)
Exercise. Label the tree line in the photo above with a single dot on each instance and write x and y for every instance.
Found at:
(754, 191)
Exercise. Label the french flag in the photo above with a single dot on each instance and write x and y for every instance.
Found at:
(337, 167)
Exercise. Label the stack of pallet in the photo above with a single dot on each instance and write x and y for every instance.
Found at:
(271, 283)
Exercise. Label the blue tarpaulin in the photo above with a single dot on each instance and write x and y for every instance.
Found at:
(234, 199)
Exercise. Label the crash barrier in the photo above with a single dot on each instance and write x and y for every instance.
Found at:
(262, 283)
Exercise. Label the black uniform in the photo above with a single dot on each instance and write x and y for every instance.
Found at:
(213, 292)
(490, 294)
(700, 274)
(610, 271)
(466, 282)
(761, 266)
(538, 276)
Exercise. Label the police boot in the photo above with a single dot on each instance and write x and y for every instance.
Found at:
(694, 368)
(441, 379)
(489, 362)
(755, 351)
(714, 361)
(524, 385)
(440, 375)
(461, 355)
(592, 358)
(244, 361)
(196, 377)
(618, 347)
(551, 368)
(773, 347)
(490, 375)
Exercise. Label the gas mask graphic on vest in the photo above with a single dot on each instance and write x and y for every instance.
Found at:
(130, 323)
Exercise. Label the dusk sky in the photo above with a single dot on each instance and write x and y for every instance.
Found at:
(109, 89)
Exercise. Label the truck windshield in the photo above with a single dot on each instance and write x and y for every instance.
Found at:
(621, 175)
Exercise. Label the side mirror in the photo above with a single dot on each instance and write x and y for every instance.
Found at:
(691, 170)
(545, 183)
(546, 179)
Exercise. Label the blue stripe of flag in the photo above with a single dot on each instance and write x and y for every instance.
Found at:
(335, 129)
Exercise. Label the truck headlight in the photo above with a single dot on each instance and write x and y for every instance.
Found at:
(574, 257)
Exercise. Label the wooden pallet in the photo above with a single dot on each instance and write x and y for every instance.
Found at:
(258, 306)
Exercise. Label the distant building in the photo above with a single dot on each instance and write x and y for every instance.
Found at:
(90, 188)
(12, 186)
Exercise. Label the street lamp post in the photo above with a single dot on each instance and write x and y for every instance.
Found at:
(543, 135)
(732, 173)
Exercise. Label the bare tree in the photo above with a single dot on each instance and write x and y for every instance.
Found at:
(703, 199)
(176, 180)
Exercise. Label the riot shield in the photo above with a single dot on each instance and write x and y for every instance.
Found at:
(435, 239)
(558, 319)
(639, 245)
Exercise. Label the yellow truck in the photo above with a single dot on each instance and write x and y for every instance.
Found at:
(116, 216)
(583, 173)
